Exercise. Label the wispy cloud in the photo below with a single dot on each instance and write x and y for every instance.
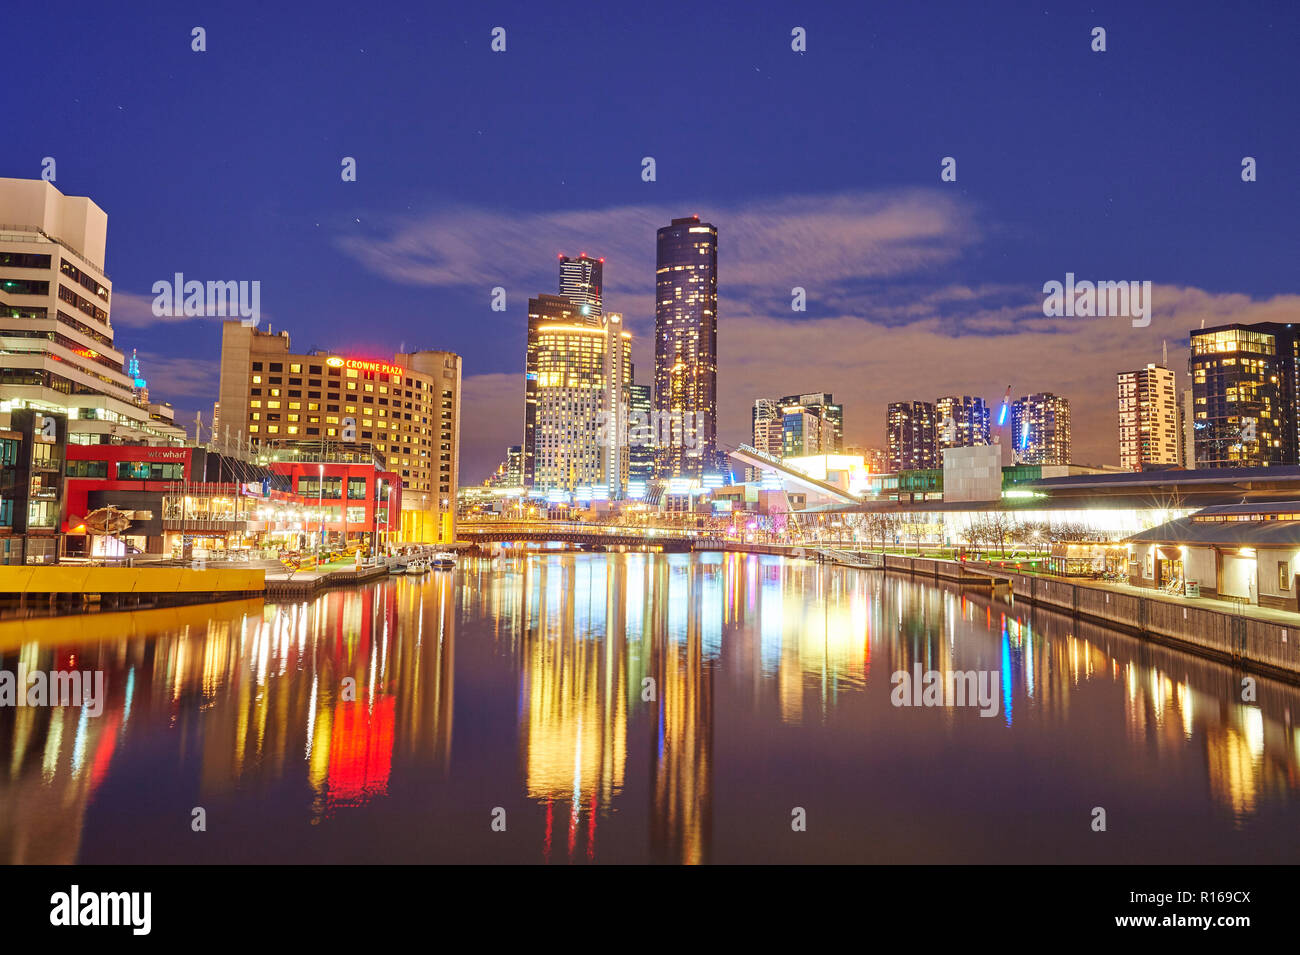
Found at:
(817, 240)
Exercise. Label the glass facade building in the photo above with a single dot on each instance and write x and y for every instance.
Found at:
(686, 347)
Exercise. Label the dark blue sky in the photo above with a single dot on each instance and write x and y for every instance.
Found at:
(820, 169)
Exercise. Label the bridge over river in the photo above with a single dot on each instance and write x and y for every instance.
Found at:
(586, 534)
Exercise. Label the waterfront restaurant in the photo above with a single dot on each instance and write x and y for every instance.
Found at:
(192, 502)
(1247, 552)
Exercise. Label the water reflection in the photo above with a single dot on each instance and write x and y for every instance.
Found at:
(633, 708)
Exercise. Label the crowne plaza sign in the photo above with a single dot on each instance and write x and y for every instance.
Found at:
(357, 364)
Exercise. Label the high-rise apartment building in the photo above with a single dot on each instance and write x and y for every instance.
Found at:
(805, 431)
(913, 441)
(406, 411)
(1148, 418)
(1040, 429)
(56, 334)
(686, 347)
(963, 421)
(1244, 395)
(582, 283)
(823, 403)
(767, 427)
(577, 388)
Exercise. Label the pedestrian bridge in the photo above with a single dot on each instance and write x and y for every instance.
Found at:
(610, 535)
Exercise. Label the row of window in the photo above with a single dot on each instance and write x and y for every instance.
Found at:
(128, 470)
(82, 279)
(24, 260)
(82, 304)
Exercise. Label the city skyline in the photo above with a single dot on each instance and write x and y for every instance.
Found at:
(901, 270)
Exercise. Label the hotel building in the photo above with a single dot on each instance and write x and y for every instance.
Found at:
(322, 405)
(686, 347)
(576, 391)
(1040, 429)
(56, 336)
(1148, 418)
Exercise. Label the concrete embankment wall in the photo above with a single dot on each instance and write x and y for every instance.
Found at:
(1224, 635)
(84, 579)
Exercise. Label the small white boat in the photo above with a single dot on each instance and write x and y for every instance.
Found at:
(416, 567)
(444, 560)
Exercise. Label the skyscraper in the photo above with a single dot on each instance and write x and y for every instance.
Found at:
(913, 441)
(1040, 429)
(1244, 395)
(686, 346)
(641, 445)
(582, 282)
(613, 428)
(1148, 418)
(766, 426)
(578, 368)
(963, 421)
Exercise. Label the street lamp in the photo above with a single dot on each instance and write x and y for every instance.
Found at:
(320, 507)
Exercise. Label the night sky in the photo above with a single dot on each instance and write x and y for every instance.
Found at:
(820, 169)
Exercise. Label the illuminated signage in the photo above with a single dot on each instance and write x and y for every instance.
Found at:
(356, 364)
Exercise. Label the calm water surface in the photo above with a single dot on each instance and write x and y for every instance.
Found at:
(518, 686)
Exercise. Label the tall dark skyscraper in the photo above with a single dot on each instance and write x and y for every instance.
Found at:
(911, 428)
(1245, 395)
(582, 282)
(686, 347)
(641, 450)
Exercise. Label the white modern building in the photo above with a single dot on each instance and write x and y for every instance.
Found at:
(56, 336)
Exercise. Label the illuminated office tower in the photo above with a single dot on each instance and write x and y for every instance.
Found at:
(1244, 395)
(1040, 429)
(913, 441)
(582, 283)
(963, 421)
(686, 347)
(617, 402)
(641, 450)
(1149, 416)
(576, 393)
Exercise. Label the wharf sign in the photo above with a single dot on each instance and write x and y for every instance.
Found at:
(358, 364)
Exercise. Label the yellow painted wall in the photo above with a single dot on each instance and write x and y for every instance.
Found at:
(77, 578)
(423, 527)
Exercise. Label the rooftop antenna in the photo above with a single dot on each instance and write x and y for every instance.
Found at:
(1165, 360)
